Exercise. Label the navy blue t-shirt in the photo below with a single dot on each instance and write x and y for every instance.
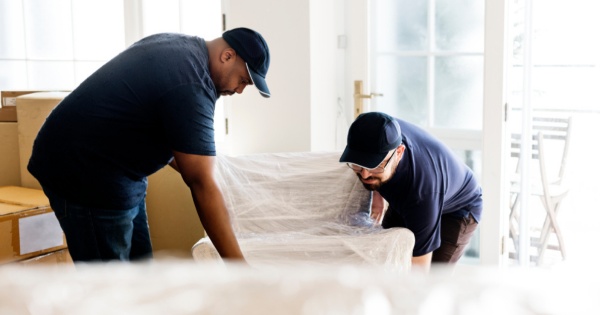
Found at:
(98, 146)
(430, 181)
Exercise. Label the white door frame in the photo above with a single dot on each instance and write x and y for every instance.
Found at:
(495, 202)
(357, 50)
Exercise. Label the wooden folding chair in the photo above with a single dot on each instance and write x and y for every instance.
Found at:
(548, 132)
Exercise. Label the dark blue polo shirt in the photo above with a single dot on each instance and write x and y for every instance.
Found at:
(430, 181)
(98, 146)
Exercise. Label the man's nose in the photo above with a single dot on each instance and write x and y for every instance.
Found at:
(240, 89)
(364, 173)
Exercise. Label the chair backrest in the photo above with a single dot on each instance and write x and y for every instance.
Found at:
(556, 133)
(291, 192)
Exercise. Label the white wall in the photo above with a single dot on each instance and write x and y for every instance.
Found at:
(327, 57)
(300, 115)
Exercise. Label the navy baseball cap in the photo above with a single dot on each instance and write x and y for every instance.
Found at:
(252, 47)
(370, 138)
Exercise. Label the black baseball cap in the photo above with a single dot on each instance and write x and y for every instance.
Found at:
(252, 47)
(370, 138)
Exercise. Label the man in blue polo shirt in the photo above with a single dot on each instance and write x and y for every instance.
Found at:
(151, 105)
(429, 191)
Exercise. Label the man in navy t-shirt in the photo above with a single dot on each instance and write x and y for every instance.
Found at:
(429, 191)
(151, 105)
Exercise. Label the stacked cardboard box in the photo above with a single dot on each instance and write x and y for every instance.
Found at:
(29, 231)
(16, 138)
(32, 110)
(28, 226)
(10, 173)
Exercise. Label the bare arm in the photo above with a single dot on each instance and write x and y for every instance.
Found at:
(198, 173)
(422, 262)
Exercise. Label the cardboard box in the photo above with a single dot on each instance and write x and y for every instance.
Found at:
(174, 223)
(10, 173)
(8, 104)
(59, 257)
(28, 227)
(8, 114)
(32, 110)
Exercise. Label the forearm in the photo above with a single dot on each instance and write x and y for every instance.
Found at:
(422, 263)
(197, 172)
(215, 220)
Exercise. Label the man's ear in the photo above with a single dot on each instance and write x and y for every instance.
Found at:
(227, 55)
(400, 150)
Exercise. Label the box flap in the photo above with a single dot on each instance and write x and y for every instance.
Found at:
(54, 95)
(23, 196)
(8, 209)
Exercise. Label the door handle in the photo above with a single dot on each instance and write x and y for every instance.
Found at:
(359, 96)
(368, 95)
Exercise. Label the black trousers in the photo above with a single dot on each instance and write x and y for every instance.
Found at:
(456, 232)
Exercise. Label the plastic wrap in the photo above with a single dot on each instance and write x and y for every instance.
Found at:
(303, 207)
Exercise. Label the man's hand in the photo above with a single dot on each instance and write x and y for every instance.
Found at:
(377, 207)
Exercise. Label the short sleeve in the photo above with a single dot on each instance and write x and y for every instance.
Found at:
(187, 116)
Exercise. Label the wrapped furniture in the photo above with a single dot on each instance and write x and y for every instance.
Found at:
(303, 207)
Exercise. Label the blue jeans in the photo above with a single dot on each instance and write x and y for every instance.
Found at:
(103, 234)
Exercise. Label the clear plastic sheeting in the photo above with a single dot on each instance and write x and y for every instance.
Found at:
(181, 288)
(304, 207)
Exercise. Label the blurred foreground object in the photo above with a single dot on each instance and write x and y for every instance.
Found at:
(187, 287)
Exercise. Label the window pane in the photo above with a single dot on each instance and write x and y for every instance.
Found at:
(13, 75)
(454, 25)
(51, 75)
(570, 41)
(201, 18)
(459, 92)
(12, 32)
(93, 42)
(84, 69)
(403, 82)
(400, 25)
(48, 31)
(473, 159)
(566, 87)
(160, 16)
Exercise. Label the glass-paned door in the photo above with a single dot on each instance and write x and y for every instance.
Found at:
(427, 61)
(553, 118)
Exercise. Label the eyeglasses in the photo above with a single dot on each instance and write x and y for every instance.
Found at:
(378, 170)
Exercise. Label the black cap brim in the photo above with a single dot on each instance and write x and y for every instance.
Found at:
(259, 82)
(366, 160)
